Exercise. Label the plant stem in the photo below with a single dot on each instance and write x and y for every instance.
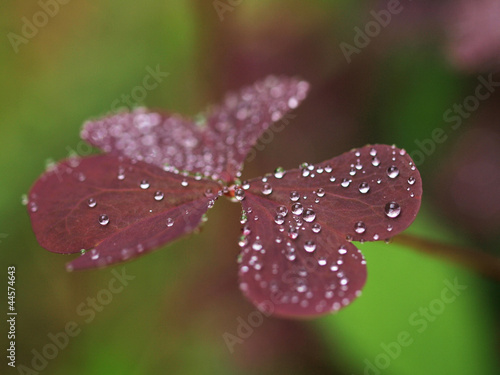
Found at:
(475, 259)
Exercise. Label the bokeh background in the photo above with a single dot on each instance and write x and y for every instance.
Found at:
(396, 89)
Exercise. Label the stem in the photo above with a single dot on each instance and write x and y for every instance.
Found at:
(475, 259)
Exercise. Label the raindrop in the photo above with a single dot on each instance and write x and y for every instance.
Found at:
(322, 261)
(293, 233)
(342, 250)
(103, 219)
(373, 152)
(316, 228)
(245, 185)
(309, 246)
(159, 196)
(184, 182)
(297, 209)
(24, 199)
(392, 172)
(392, 210)
(376, 237)
(309, 215)
(345, 182)
(332, 179)
(144, 184)
(294, 196)
(170, 222)
(267, 189)
(320, 192)
(389, 227)
(411, 180)
(121, 174)
(360, 227)
(91, 202)
(257, 246)
(364, 188)
(33, 207)
(279, 172)
(328, 169)
(279, 219)
(282, 210)
(352, 172)
(94, 255)
(239, 194)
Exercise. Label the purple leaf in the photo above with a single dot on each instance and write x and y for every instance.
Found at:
(114, 208)
(214, 147)
(297, 256)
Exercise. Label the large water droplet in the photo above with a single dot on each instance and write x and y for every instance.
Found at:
(309, 215)
(144, 184)
(360, 227)
(297, 208)
(91, 202)
(239, 194)
(309, 246)
(159, 196)
(392, 210)
(364, 188)
(393, 172)
(103, 219)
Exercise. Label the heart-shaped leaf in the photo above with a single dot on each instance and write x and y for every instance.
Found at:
(216, 146)
(297, 253)
(115, 208)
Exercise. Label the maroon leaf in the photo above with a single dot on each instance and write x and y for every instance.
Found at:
(115, 208)
(215, 147)
(297, 257)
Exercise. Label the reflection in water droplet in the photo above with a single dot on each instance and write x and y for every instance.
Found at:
(297, 209)
(392, 172)
(364, 188)
(239, 194)
(103, 219)
(360, 227)
(309, 215)
(309, 246)
(392, 210)
(316, 228)
(267, 189)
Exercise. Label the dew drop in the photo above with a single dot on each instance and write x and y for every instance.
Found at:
(91, 202)
(279, 172)
(360, 227)
(320, 192)
(297, 209)
(293, 233)
(170, 222)
(103, 219)
(267, 189)
(94, 254)
(375, 161)
(342, 250)
(392, 172)
(184, 182)
(411, 180)
(245, 185)
(392, 210)
(144, 184)
(345, 182)
(364, 188)
(389, 227)
(309, 215)
(309, 246)
(159, 196)
(282, 210)
(328, 169)
(239, 194)
(322, 261)
(24, 199)
(373, 152)
(257, 246)
(279, 219)
(316, 228)
(294, 196)
(332, 179)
